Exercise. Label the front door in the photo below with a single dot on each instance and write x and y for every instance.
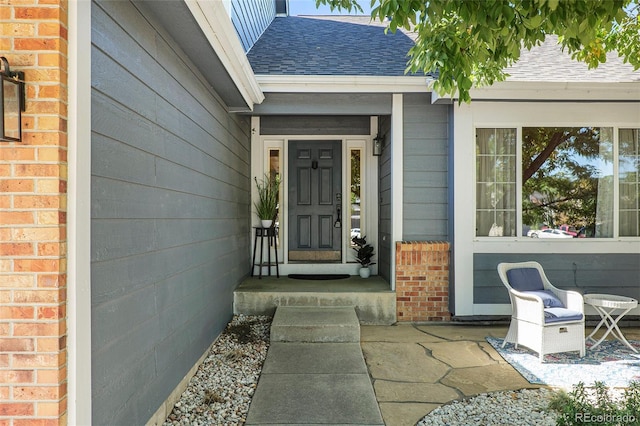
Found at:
(315, 200)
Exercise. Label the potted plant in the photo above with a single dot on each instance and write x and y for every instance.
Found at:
(364, 253)
(267, 204)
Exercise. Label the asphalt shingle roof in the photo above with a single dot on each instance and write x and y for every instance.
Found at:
(320, 46)
(357, 46)
(548, 63)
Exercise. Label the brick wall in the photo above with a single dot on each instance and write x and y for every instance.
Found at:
(33, 353)
(422, 281)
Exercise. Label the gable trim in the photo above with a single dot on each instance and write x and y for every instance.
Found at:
(514, 91)
(342, 84)
(214, 21)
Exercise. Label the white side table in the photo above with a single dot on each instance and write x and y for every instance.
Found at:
(606, 305)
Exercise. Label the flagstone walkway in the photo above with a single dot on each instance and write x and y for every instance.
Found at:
(417, 368)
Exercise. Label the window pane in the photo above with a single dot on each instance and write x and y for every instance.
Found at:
(567, 181)
(274, 171)
(496, 182)
(629, 169)
(354, 196)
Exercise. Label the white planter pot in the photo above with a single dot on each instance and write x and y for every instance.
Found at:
(266, 223)
(364, 272)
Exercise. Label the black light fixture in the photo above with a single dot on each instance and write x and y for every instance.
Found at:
(12, 102)
(378, 143)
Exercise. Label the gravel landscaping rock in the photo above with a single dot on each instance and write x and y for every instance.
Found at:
(220, 392)
(509, 408)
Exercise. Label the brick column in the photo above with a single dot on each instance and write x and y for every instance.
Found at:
(422, 281)
(33, 173)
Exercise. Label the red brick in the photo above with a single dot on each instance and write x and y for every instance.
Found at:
(16, 409)
(16, 249)
(17, 312)
(16, 185)
(38, 392)
(17, 345)
(37, 13)
(34, 360)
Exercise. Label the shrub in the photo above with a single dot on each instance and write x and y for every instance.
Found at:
(595, 406)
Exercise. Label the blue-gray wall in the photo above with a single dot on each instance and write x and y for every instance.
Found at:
(170, 214)
(425, 196)
(587, 273)
(250, 18)
(384, 208)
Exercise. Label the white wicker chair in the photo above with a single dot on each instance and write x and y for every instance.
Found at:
(529, 327)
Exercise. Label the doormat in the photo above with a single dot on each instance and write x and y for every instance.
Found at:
(319, 276)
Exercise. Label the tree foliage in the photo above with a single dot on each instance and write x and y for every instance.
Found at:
(469, 43)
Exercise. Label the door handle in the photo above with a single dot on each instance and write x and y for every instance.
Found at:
(338, 222)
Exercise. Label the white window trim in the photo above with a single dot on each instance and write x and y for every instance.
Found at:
(510, 115)
(260, 146)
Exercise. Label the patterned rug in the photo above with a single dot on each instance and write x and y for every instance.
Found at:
(611, 362)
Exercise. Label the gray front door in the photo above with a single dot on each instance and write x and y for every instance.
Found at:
(315, 200)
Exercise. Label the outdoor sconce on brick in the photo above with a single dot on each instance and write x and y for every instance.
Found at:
(12, 102)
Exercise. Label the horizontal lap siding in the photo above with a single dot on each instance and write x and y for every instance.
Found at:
(170, 214)
(384, 212)
(425, 197)
(588, 273)
(250, 18)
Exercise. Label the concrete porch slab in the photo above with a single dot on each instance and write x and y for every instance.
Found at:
(374, 301)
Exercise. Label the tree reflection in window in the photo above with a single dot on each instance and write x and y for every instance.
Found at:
(567, 180)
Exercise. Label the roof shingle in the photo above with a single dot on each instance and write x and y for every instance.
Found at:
(316, 46)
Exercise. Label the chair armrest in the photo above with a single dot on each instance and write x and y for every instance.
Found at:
(571, 299)
(528, 307)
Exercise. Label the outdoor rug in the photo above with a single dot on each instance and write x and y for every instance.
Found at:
(611, 363)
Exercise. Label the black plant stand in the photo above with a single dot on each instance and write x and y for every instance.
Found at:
(271, 235)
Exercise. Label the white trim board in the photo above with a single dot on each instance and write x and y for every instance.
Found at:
(342, 84)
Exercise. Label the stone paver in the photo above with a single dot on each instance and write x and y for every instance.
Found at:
(490, 378)
(407, 362)
(460, 354)
(473, 333)
(413, 392)
(404, 414)
(396, 333)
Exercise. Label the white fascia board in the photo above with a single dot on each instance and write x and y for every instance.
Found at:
(551, 91)
(213, 19)
(341, 84)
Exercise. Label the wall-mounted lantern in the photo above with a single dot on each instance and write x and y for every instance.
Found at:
(12, 102)
(378, 143)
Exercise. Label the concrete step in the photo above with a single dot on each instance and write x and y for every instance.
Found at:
(315, 324)
(375, 303)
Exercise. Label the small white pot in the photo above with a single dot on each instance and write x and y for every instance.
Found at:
(364, 272)
(266, 223)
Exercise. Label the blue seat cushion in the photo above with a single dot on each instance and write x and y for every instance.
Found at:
(552, 315)
(549, 299)
(525, 279)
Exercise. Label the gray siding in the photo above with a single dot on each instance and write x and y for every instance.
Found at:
(170, 214)
(384, 208)
(250, 18)
(587, 273)
(325, 104)
(425, 196)
(314, 125)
